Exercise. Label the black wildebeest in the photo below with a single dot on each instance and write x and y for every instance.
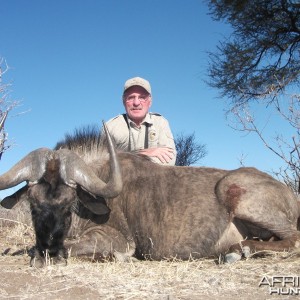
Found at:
(100, 203)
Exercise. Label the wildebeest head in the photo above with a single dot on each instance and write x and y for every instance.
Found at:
(53, 180)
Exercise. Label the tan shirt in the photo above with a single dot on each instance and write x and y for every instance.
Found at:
(130, 137)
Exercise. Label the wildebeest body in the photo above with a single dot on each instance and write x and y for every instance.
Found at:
(157, 212)
(172, 215)
(184, 211)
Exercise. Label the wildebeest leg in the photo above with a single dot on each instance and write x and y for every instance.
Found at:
(280, 245)
(261, 208)
(102, 243)
(259, 230)
(277, 234)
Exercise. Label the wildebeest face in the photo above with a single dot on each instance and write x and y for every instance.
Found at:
(57, 179)
(51, 216)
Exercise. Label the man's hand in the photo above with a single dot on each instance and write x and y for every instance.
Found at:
(164, 154)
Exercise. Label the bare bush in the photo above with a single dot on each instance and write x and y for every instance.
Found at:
(286, 146)
(188, 150)
(6, 105)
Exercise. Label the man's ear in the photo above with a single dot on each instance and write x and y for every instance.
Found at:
(10, 201)
(150, 100)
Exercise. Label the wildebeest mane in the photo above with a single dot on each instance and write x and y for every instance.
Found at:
(87, 136)
(87, 140)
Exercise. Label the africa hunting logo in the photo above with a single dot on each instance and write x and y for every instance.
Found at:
(281, 285)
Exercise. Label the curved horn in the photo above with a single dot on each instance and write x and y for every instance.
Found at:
(30, 168)
(74, 170)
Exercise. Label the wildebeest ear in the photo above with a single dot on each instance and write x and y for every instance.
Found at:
(10, 201)
(95, 205)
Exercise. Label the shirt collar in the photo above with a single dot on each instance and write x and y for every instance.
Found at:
(147, 120)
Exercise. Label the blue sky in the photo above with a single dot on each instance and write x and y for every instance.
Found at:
(69, 60)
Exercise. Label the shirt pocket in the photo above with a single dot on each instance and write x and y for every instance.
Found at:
(153, 137)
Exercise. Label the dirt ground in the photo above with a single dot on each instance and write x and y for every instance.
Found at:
(199, 279)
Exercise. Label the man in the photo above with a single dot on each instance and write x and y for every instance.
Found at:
(138, 129)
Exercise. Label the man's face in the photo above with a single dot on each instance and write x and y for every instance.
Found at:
(137, 102)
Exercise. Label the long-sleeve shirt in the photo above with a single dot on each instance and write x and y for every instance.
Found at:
(154, 132)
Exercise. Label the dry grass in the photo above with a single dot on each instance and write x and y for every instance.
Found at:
(195, 279)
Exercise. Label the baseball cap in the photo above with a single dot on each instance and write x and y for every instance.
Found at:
(137, 81)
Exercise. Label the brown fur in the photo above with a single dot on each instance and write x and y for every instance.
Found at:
(187, 211)
(181, 212)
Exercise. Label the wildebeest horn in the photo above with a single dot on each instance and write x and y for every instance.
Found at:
(74, 170)
(31, 168)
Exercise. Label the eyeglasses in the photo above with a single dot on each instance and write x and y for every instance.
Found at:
(141, 98)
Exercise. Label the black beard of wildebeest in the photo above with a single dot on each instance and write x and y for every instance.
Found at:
(51, 215)
(97, 203)
(51, 227)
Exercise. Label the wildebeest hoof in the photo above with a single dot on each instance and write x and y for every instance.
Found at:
(232, 257)
(246, 251)
(59, 260)
(40, 262)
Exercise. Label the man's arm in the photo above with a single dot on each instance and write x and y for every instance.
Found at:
(164, 155)
(165, 152)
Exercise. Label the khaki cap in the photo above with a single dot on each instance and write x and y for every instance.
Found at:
(138, 81)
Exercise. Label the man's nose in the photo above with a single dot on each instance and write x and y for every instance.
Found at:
(136, 101)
